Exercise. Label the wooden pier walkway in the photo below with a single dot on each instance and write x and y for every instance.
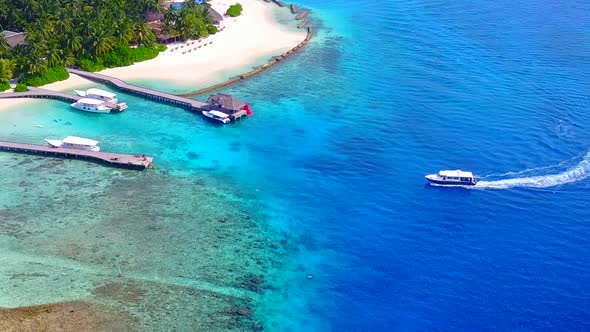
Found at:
(41, 93)
(163, 97)
(110, 159)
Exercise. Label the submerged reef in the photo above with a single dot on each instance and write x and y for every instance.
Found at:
(122, 250)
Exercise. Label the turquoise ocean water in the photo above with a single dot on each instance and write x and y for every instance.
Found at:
(326, 180)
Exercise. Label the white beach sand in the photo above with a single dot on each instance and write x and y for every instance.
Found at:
(244, 41)
(74, 82)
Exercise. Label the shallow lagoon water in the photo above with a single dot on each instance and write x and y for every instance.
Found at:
(326, 179)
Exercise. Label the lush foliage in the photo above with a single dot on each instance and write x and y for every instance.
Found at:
(21, 88)
(234, 10)
(211, 29)
(52, 74)
(4, 86)
(6, 70)
(61, 31)
(90, 64)
(191, 21)
(119, 57)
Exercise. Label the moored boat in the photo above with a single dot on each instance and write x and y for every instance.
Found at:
(91, 105)
(217, 116)
(98, 94)
(452, 178)
(74, 142)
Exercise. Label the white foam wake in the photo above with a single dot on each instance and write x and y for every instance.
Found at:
(576, 173)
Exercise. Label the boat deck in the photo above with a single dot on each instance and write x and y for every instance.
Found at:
(111, 159)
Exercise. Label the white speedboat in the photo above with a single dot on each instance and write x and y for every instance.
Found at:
(217, 116)
(452, 178)
(92, 105)
(98, 94)
(73, 142)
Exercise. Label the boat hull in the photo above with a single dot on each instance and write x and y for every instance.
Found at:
(451, 183)
(91, 110)
(433, 179)
(215, 120)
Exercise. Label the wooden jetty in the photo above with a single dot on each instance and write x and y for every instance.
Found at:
(48, 94)
(111, 159)
(163, 97)
(41, 93)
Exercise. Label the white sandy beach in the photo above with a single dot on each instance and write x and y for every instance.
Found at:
(74, 82)
(245, 39)
(254, 35)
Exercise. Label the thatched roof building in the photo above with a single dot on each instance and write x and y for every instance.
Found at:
(14, 38)
(225, 103)
(216, 18)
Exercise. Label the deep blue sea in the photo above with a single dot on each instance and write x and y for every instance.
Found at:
(394, 90)
(336, 152)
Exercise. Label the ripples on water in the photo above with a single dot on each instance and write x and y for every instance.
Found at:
(333, 162)
(493, 87)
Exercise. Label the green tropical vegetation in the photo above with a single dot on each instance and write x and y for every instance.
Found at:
(20, 87)
(211, 29)
(120, 56)
(191, 21)
(4, 86)
(53, 74)
(6, 70)
(92, 34)
(6, 73)
(234, 10)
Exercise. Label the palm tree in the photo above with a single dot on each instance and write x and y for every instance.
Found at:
(62, 26)
(124, 32)
(60, 30)
(205, 15)
(54, 55)
(153, 5)
(100, 42)
(73, 43)
(3, 45)
(144, 35)
(6, 70)
(36, 62)
(186, 25)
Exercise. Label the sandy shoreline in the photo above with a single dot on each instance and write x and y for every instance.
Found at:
(244, 41)
(74, 82)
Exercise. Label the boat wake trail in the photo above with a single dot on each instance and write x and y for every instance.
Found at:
(573, 174)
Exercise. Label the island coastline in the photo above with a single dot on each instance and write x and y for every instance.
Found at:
(255, 35)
